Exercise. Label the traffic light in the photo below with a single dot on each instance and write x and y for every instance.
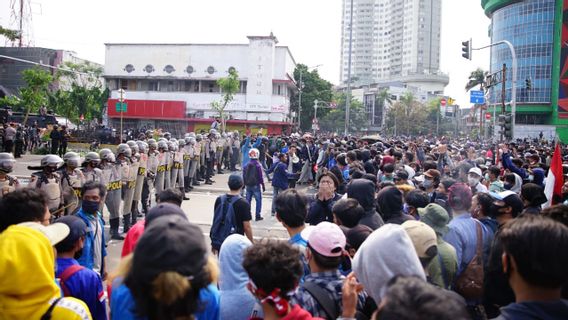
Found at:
(466, 49)
(528, 84)
(508, 127)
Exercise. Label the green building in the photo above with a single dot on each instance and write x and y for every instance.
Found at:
(538, 29)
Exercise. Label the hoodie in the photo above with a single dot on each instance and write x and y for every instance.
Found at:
(544, 310)
(387, 252)
(27, 278)
(363, 190)
(236, 300)
(389, 203)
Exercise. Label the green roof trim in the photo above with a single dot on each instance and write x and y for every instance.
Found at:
(491, 6)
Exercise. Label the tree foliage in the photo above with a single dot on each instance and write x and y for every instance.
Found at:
(35, 93)
(229, 86)
(334, 119)
(476, 78)
(313, 88)
(10, 34)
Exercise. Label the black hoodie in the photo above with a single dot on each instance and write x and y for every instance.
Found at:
(363, 190)
(389, 205)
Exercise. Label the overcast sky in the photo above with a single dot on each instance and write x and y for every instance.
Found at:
(311, 28)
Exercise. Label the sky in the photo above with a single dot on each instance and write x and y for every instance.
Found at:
(310, 28)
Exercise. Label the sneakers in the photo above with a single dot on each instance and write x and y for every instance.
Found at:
(259, 219)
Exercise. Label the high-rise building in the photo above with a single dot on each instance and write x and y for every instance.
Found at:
(537, 31)
(393, 41)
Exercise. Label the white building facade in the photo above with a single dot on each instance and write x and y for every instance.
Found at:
(174, 84)
(393, 41)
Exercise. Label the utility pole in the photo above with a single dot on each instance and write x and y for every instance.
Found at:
(348, 96)
(300, 102)
(21, 22)
(503, 88)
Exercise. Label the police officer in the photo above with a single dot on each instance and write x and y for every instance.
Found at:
(90, 167)
(162, 164)
(49, 181)
(127, 164)
(151, 171)
(179, 164)
(140, 176)
(111, 178)
(200, 157)
(169, 165)
(72, 180)
(187, 164)
(8, 183)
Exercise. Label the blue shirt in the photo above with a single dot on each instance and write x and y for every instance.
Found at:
(302, 244)
(123, 306)
(280, 178)
(88, 256)
(85, 285)
(462, 235)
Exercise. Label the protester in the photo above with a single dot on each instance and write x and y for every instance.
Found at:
(355, 237)
(231, 214)
(274, 270)
(482, 209)
(23, 205)
(533, 198)
(74, 279)
(390, 206)
(363, 191)
(347, 212)
(322, 203)
(254, 182)
(415, 200)
(280, 177)
(236, 301)
(28, 289)
(534, 267)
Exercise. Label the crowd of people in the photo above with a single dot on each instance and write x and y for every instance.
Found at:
(397, 228)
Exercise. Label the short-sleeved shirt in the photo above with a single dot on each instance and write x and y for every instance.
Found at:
(242, 212)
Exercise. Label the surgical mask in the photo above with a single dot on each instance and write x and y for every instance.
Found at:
(531, 177)
(427, 184)
(405, 208)
(90, 207)
(472, 181)
(486, 177)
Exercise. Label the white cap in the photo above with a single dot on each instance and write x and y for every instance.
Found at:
(55, 232)
(475, 170)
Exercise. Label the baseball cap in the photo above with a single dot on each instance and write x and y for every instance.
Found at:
(432, 173)
(436, 217)
(326, 239)
(171, 243)
(475, 170)
(55, 232)
(163, 209)
(510, 199)
(77, 229)
(423, 237)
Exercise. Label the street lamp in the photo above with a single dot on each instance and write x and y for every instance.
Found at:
(300, 87)
(348, 97)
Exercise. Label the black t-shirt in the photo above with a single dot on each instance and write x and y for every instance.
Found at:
(242, 212)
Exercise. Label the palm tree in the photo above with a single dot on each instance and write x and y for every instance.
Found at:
(476, 78)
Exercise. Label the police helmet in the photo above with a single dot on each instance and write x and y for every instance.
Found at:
(107, 155)
(72, 159)
(93, 157)
(162, 145)
(51, 160)
(7, 162)
(124, 149)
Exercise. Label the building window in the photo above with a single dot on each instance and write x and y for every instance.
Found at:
(232, 69)
(210, 70)
(129, 68)
(189, 69)
(149, 68)
(169, 68)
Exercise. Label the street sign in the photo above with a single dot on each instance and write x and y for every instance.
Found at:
(477, 97)
(443, 102)
(487, 116)
(121, 106)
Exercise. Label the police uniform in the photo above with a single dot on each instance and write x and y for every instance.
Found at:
(162, 159)
(51, 186)
(111, 178)
(8, 184)
(71, 183)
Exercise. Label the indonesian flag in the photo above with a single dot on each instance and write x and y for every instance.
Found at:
(555, 178)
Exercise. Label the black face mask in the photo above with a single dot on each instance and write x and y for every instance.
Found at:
(494, 211)
(90, 207)
(508, 186)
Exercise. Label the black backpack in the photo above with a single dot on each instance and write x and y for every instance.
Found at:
(250, 175)
(224, 221)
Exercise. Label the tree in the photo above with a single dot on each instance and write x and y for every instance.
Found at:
(10, 34)
(35, 93)
(476, 78)
(229, 86)
(408, 116)
(334, 119)
(81, 91)
(313, 88)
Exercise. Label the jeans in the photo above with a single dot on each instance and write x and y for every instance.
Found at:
(275, 191)
(256, 192)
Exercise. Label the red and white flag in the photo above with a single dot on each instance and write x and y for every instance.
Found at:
(555, 178)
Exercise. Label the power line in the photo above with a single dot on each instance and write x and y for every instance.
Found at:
(47, 66)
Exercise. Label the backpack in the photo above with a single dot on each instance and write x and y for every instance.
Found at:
(224, 221)
(70, 271)
(250, 175)
(470, 282)
(329, 305)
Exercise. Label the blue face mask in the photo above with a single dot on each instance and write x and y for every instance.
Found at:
(90, 207)
(405, 208)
